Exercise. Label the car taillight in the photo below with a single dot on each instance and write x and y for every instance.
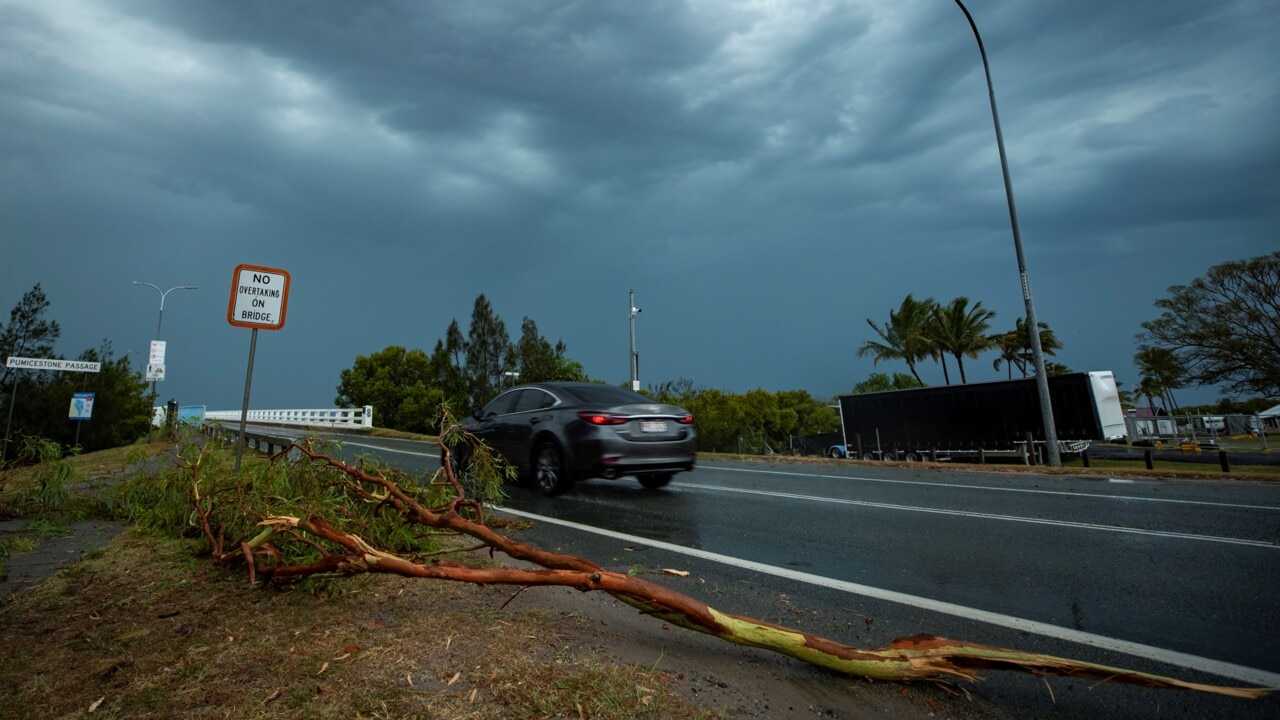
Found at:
(686, 420)
(603, 419)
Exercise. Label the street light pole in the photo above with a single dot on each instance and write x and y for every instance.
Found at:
(160, 319)
(1037, 353)
(635, 357)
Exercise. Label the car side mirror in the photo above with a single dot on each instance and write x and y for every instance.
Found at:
(478, 413)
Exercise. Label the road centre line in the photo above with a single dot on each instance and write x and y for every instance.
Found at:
(985, 516)
(993, 489)
(1253, 676)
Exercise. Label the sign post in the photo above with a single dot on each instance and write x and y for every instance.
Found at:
(259, 299)
(81, 410)
(53, 364)
(155, 364)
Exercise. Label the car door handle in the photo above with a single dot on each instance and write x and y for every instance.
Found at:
(534, 420)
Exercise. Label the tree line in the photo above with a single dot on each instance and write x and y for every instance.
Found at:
(37, 402)
(407, 387)
(1222, 329)
(928, 330)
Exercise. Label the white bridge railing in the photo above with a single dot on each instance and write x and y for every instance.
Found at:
(328, 417)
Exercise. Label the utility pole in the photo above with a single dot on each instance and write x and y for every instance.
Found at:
(635, 356)
(1033, 328)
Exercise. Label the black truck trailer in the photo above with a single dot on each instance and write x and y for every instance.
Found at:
(991, 419)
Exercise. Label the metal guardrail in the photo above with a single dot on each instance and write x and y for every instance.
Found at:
(257, 441)
(327, 417)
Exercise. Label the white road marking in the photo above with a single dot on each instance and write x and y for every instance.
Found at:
(1253, 676)
(955, 486)
(985, 516)
(387, 449)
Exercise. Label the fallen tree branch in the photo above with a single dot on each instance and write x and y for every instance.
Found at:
(911, 658)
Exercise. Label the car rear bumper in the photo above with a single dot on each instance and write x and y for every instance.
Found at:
(608, 460)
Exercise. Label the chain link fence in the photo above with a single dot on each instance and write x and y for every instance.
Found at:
(1211, 429)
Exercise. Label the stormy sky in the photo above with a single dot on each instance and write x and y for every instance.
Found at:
(764, 175)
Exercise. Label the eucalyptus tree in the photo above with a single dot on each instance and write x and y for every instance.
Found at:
(488, 352)
(905, 337)
(28, 333)
(961, 330)
(399, 384)
(540, 361)
(1224, 328)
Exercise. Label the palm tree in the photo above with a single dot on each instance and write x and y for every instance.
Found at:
(1150, 387)
(904, 336)
(1015, 345)
(1163, 366)
(1010, 353)
(960, 330)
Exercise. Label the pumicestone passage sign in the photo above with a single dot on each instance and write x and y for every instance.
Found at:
(259, 297)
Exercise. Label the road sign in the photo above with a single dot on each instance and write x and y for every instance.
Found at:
(157, 352)
(81, 406)
(259, 297)
(155, 373)
(22, 363)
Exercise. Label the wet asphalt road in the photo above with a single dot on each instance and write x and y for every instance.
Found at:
(1183, 571)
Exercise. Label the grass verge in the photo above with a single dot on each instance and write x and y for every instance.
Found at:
(146, 630)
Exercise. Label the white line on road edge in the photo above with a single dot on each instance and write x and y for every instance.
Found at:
(955, 486)
(1253, 676)
(986, 516)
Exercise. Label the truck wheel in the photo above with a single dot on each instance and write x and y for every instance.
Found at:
(868, 456)
(912, 457)
(835, 453)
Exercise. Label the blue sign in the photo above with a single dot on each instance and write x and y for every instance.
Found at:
(81, 406)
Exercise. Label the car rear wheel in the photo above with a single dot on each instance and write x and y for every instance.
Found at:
(548, 470)
(655, 480)
(458, 461)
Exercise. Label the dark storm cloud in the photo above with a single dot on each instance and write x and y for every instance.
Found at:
(766, 175)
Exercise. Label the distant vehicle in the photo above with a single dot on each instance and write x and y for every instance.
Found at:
(1214, 423)
(556, 433)
(992, 418)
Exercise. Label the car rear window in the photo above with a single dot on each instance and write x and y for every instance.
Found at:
(606, 395)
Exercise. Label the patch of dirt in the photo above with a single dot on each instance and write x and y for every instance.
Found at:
(25, 570)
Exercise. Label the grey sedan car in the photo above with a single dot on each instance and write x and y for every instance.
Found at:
(557, 432)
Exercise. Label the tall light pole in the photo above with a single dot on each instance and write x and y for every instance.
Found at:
(635, 356)
(1037, 353)
(160, 319)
